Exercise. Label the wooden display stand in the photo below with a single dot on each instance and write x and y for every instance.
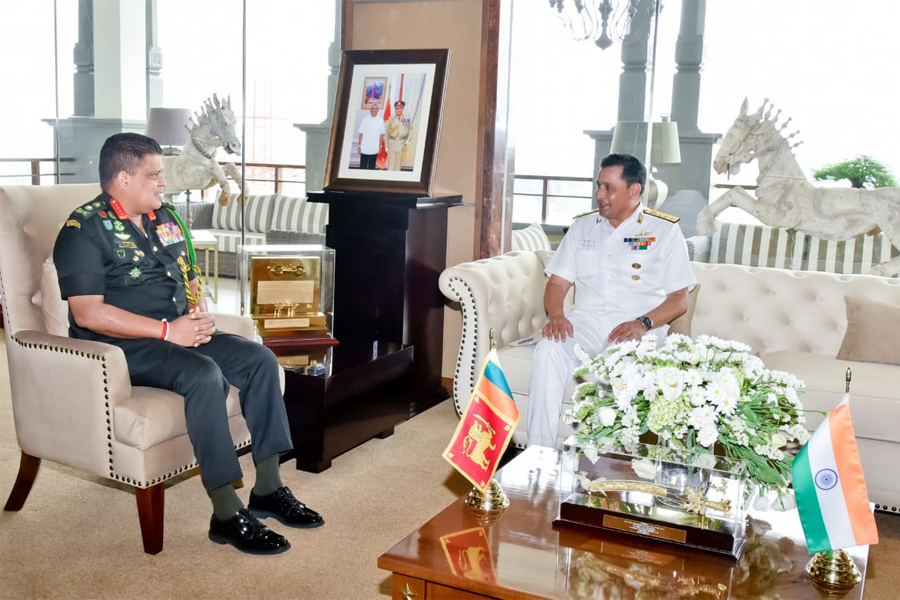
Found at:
(390, 250)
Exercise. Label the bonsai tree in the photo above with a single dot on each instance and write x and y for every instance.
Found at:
(862, 171)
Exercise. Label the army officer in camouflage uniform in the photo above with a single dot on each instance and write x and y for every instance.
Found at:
(399, 131)
(125, 268)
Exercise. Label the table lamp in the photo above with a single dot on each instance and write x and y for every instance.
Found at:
(168, 126)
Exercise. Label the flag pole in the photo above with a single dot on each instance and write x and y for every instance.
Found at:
(493, 498)
(834, 570)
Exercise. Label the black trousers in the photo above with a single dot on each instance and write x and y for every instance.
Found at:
(203, 376)
(367, 161)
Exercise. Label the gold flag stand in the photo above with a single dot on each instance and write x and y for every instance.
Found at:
(494, 498)
(833, 571)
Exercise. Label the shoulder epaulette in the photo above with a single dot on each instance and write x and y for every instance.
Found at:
(585, 213)
(661, 215)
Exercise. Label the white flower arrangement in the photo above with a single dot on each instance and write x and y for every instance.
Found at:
(693, 394)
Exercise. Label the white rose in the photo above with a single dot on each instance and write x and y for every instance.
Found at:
(708, 436)
(696, 356)
(779, 440)
(607, 416)
(669, 381)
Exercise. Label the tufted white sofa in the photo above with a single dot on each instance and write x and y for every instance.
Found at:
(794, 320)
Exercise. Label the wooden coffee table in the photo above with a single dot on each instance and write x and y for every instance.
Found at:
(457, 554)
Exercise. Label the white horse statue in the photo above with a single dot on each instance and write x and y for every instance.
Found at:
(196, 168)
(786, 199)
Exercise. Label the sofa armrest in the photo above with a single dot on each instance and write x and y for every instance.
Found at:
(242, 326)
(63, 392)
(504, 293)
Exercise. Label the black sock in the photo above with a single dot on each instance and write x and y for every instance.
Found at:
(268, 479)
(225, 501)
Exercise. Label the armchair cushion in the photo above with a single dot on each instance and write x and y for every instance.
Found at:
(150, 416)
(872, 335)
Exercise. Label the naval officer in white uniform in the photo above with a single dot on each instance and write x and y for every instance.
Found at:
(631, 274)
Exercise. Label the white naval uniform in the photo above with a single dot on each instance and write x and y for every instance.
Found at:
(614, 282)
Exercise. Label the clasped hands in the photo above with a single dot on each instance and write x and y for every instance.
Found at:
(193, 329)
(558, 328)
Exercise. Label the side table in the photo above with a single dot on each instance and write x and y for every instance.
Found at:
(358, 391)
(206, 241)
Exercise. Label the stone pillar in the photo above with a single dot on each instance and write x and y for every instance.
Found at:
(634, 78)
(633, 82)
(154, 58)
(83, 55)
(120, 64)
(119, 90)
(696, 147)
(317, 134)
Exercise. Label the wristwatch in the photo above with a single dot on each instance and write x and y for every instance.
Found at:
(646, 322)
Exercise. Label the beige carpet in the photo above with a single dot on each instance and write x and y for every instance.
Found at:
(78, 539)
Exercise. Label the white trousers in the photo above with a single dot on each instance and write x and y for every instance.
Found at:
(551, 371)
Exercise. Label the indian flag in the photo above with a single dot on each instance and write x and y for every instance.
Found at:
(830, 488)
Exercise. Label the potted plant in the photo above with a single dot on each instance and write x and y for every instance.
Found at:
(862, 171)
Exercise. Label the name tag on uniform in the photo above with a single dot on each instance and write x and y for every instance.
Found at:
(169, 233)
(585, 243)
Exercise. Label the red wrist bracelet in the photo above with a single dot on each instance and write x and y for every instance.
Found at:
(165, 332)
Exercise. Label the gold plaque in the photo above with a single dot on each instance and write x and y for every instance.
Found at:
(644, 528)
(285, 286)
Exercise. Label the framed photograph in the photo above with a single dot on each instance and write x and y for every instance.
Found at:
(387, 121)
(373, 92)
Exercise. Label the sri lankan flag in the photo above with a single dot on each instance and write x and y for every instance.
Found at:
(486, 427)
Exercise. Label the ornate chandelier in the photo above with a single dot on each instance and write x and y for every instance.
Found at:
(603, 21)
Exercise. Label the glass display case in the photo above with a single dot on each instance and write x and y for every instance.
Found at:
(289, 291)
(652, 492)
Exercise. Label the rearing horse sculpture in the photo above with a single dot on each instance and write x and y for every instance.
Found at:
(786, 199)
(196, 168)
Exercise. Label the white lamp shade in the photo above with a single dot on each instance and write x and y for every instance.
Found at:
(630, 137)
(168, 125)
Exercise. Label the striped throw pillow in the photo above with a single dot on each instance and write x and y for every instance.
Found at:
(752, 246)
(530, 239)
(856, 255)
(300, 215)
(257, 214)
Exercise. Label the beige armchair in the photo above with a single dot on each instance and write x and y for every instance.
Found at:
(73, 402)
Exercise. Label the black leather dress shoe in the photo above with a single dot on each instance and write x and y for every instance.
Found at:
(247, 534)
(282, 505)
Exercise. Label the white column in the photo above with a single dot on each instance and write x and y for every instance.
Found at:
(688, 60)
(120, 67)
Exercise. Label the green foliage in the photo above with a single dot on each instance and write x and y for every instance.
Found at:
(862, 171)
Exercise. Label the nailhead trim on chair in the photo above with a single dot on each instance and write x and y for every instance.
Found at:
(459, 357)
(112, 472)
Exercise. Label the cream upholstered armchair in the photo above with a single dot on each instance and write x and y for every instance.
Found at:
(73, 402)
